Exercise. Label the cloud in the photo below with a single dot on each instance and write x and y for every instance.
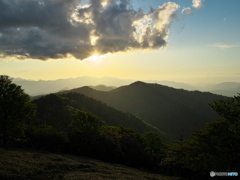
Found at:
(225, 46)
(187, 11)
(197, 3)
(44, 29)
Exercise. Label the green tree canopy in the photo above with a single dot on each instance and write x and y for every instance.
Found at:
(153, 143)
(229, 109)
(86, 122)
(216, 146)
(15, 105)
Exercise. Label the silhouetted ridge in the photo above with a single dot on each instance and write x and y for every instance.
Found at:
(84, 88)
(177, 112)
(102, 88)
(138, 83)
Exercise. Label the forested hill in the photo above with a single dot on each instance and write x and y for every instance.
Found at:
(176, 112)
(56, 110)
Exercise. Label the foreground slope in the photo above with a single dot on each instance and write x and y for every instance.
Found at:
(31, 165)
(174, 111)
(56, 110)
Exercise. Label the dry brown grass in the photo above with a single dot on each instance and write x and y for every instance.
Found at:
(28, 165)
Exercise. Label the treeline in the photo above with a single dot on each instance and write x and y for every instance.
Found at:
(214, 148)
(87, 135)
(55, 123)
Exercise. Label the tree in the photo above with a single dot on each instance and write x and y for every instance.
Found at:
(153, 143)
(229, 109)
(15, 106)
(86, 122)
(215, 147)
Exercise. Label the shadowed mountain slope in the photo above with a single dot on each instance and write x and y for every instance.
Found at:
(176, 112)
(56, 110)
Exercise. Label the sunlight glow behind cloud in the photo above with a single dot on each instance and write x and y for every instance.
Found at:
(96, 57)
(56, 29)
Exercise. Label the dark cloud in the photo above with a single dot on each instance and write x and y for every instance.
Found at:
(43, 29)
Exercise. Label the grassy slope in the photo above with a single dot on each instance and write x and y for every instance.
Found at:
(24, 165)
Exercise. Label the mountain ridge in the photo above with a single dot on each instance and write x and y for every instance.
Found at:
(40, 87)
(173, 111)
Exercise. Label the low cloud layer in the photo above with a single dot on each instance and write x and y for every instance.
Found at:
(43, 29)
(225, 46)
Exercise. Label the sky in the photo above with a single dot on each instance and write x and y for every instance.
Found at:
(191, 41)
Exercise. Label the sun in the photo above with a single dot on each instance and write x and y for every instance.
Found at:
(96, 57)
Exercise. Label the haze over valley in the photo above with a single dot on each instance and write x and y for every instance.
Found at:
(41, 87)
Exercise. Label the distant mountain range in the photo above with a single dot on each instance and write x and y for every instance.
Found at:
(40, 87)
(226, 88)
(176, 112)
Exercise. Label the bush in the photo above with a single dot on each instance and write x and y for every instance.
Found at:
(46, 137)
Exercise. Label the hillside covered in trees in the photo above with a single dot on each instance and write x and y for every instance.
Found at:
(56, 110)
(71, 123)
(176, 112)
